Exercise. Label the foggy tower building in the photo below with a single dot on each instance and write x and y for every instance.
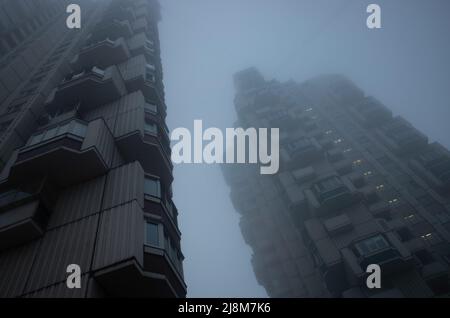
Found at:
(356, 186)
(85, 156)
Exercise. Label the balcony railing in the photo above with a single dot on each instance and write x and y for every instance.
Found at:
(115, 29)
(24, 212)
(329, 188)
(61, 153)
(91, 88)
(331, 194)
(101, 53)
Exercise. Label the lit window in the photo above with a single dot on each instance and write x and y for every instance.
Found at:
(152, 187)
(152, 234)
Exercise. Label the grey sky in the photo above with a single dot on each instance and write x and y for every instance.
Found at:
(203, 42)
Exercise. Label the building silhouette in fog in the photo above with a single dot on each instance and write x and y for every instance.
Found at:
(84, 151)
(356, 186)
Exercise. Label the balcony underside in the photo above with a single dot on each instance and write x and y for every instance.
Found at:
(389, 260)
(337, 202)
(101, 55)
(89, 90)
(149, 152)
(149, 89)
(64, 166)
(114, 29)
(128, 279)
(21, 224)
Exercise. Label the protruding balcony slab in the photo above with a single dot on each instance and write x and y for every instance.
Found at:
(90, 88)
(128, 279)
(64, 157)
(149, 151)
(113, 29)
(101, 54)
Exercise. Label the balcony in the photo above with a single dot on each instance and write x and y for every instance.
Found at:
(372, 113)
(150, 147)
(157, 278)
(280, 119)
(102, 54)
(113, 29)
(433, 166)
(67, 153)
(401, 138)
(24, 213)
(331, 194)
(301, 152)
(142, 76)
(326, 257)
(384, 250)
(91, 88)
(120, 13)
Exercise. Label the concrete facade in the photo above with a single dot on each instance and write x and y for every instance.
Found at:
(356, 186)
(85, 159)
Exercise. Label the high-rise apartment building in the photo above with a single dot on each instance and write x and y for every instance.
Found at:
(85, 155)
(356, 186)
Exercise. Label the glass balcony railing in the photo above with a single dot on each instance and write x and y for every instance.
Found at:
(93, 71)
(151, 108)
(12, 197)
(329, 188)
(75, 128)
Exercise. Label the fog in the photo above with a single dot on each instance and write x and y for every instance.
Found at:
(204, 42)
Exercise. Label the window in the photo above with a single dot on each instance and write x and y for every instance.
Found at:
(73, 127)
(152, 187)
(98, 71)
(151, 108)
(328, 184)
(173, 253)
(150, 73)
(371, 245)
(151, 128)
(393, 201)
(152, 234)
